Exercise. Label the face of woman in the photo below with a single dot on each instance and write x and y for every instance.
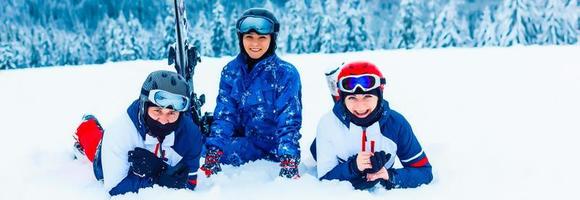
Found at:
(361, 105)
(256, 45)
(162, 115)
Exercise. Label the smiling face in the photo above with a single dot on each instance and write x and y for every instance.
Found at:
(361, 105)
(256, 45)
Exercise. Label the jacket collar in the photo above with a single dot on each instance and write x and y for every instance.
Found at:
(340, 112)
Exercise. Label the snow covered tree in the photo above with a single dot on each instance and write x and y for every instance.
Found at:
(559, 25)
(295, 27)
(408, 31)
(131, 38)
(315, 26)
(485, 34)
(113, 45)
(355, 35)
(169, 33)
(7, 59)
(200, 35)
(430, 21)
(449, 31)
(233, 43)
(218, 39)
(329, 42)
(518, 22)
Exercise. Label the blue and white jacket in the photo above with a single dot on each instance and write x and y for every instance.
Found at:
(338, 139)
(129, 132)
(264, 105)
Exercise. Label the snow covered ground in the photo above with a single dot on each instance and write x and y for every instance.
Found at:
(496, 123)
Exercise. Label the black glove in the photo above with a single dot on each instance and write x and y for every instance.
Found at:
(174, 177)
(212, 161)
(378, 161)
(145, 164)
(289, 166)
(353, 166)
(361, 183)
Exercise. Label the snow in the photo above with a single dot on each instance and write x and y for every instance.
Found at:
(496, 123)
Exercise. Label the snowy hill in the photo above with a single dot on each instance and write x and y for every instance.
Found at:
(496, 123)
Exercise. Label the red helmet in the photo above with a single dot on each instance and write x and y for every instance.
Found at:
(360, 78)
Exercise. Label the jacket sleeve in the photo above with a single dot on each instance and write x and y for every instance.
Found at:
(329, 166)
(131, 183)
(416, 167)
(118, 140)
(225, 113)
(289, 106)
(192, 158)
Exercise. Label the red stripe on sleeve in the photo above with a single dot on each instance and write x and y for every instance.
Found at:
(421, 162)
(192, 181)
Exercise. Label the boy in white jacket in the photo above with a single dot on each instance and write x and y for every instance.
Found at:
(360, 138)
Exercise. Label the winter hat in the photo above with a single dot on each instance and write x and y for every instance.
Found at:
(160, 80)
(361, 68)
(263, 13)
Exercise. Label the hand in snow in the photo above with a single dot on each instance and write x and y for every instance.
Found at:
(381, 174)
(174, 177)
(212, 164)
(378, 161)
(289, 167)
(145, 164)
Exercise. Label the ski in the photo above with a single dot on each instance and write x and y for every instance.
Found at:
(185, 59)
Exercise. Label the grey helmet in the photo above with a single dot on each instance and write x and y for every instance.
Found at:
(162, 80)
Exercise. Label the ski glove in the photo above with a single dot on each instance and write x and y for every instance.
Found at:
(378, 161)
(145, 164)
(360, 183)
(174, 177)
(289, 167)
(212, 161)
(353, 166)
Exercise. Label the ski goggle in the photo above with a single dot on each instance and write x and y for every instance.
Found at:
(261, 25)
(166, 99)
(366, 82)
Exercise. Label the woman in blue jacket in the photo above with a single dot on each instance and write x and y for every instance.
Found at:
(153, 142)
(258, 111)
(359, 140)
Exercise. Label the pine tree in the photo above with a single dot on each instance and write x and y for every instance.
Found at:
(329, 41)
(218, 40)
(430, 21)
(448, 30)
(315, 26)
(156, 46)
(559, 24)
(518, 23)
(201, 36)
(7, 59)
(100, 39)
(233, 41)
(485, 34)
(356, 35)
(295, 27)
(169, 33)
(408, 31)
(113, 40)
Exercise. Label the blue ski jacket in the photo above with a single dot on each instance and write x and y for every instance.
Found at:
(263, 104)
